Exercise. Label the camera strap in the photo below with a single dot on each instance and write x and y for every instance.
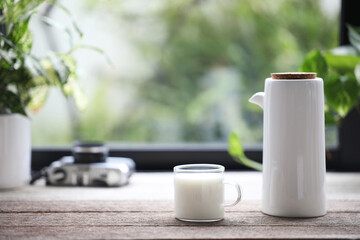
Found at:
(36, 175)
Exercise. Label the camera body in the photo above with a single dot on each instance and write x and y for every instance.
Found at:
(115, 171)
(90, 166)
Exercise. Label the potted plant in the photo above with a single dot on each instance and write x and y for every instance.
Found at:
(24, 84)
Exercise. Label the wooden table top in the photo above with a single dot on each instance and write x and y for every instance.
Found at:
(144, 210)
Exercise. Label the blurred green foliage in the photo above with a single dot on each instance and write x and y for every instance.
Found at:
(206, 59)
(252, 38)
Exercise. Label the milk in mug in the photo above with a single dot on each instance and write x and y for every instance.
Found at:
(199, 196)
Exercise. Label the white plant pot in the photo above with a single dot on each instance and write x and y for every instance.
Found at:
(15, 150)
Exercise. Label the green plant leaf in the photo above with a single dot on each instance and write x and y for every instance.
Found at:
(24, 7)
(96, 49)
(315, 62)
(50, 22)
(5, 64)
(329, 117)
(62, 7)
(7, 41)
(61, 69)
(5, 55)
(69, 61)
(340, 63)
(357, 73)
(340, 85)
(35, 67)
(38, 97)
(341, 92)
(20, 76)
(12, 102)
(237, 153)
(26, 42)
(235, 145)
(19, 30)
(72, 88)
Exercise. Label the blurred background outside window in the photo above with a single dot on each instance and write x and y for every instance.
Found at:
(182, 70)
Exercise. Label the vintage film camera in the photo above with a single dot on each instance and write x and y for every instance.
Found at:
(90, 166)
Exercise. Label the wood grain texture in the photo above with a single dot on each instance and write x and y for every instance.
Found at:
(167, 219)
(155, 220)
(346, 206)
(179, 232)
(144, 210)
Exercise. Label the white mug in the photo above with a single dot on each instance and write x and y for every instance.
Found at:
(294, 146)
(199, 192)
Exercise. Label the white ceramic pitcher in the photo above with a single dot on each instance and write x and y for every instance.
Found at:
(294, 145)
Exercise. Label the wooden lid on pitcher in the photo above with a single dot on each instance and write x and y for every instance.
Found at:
(294, 75)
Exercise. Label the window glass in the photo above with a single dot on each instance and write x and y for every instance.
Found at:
(182, 71)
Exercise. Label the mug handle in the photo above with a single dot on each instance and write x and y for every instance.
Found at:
(237, 186)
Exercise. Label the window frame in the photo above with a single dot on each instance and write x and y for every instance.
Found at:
(349, 130)
(164, 158)
(150, 157)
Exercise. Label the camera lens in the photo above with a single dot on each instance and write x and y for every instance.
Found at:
(90, 152)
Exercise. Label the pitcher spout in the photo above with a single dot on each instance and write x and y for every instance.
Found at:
(258, 99)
